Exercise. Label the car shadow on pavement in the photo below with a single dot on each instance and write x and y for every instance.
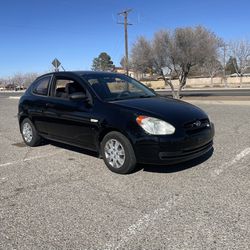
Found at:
(176, 167)
(142, 167)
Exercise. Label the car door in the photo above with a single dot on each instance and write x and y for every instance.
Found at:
(69, 120)
(36, 104)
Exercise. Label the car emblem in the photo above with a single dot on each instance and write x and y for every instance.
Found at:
(93, 120)
(197, 123)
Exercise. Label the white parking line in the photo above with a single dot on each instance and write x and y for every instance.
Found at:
(139, 226)
(30, 158)
(236, 159)
(14, 97)
(148, 219)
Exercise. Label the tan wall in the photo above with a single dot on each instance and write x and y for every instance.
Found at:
(202, 82)
(155, 84)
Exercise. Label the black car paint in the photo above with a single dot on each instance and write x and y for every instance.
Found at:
(69, 121)
(148, 147)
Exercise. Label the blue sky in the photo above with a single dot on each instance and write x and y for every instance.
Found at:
(34, 32)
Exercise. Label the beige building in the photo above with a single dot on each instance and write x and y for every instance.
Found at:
(123, 71)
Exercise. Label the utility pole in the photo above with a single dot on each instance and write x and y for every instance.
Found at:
(224, 66)
(224, 63)
(125, 23)
(224, 47)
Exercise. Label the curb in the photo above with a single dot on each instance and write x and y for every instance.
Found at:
(213, 102)
(208, 102)
(203, 89)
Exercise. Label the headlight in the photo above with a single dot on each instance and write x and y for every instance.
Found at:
(155, 126)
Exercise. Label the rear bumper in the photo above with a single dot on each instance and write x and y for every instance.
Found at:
(174, 149)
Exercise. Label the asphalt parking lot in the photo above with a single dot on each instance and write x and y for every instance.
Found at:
(57, 197)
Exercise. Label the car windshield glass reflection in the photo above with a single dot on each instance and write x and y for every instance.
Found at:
(117, 87)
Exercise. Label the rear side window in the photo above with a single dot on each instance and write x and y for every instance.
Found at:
(41, 86)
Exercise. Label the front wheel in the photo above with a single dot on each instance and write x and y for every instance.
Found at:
(118, 153)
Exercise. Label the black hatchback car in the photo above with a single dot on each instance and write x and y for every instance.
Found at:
(114, 115)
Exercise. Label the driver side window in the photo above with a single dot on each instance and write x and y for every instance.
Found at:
(64, 87)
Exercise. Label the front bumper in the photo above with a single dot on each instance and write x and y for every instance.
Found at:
(166, 150)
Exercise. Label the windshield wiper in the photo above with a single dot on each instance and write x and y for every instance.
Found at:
(130, 97)
(144, 96)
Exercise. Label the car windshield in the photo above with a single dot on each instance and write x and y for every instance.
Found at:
(112, 87)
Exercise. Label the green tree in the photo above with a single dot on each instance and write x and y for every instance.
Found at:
(231, 65)
(103, 63)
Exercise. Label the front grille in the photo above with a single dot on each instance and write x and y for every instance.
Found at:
(196, 125)
(186, 153)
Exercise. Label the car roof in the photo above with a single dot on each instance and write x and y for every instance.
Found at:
(81, 73)
(93, 72)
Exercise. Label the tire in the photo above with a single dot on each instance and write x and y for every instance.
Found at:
(29, 133)
(118, 153)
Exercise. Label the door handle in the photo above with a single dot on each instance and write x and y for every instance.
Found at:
(50, 105)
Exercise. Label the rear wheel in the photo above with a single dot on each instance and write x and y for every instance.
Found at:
(118, 153)
(29, 133)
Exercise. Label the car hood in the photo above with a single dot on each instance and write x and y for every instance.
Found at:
(173, 111)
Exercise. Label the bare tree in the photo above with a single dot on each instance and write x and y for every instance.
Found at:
(212, 66)
(19, 80)
(141, 56)
(241, 52)
(29, 78)
(161, 54)
(192, 47)
(177, 52)
(123, 64)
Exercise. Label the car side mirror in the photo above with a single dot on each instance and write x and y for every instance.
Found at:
(153, 91)
(78, 96)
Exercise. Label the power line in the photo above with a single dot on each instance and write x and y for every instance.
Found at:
(125, 23)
